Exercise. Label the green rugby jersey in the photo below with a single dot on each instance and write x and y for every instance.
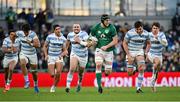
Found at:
(104, 35)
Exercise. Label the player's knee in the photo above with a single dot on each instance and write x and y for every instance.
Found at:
(10, 70)
(22, 62)
(23, 65)
(141, 68)
(107, 72)
(157, 66)
(98, 65)
(130, 71)
(156, 60)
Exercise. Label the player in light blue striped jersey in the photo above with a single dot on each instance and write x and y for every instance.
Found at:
(29, 42)
(10, 47)
(158, 42)
(78, 56)
(54, 50)
(134, 41)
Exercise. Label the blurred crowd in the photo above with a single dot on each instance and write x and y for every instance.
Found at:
(42, 22)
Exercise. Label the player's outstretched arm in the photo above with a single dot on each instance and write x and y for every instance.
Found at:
(113, 42)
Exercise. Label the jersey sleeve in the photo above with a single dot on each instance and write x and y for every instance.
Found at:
(34, 36)
(68, 36)
(162, 39)
(18, 33)
(47, 39)
(85, 36)
(5, 43)
(162, 36)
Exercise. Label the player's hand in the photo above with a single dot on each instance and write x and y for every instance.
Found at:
(104, 48)
(77, 39)
(64, 53)
(10, 50)
(14, 49)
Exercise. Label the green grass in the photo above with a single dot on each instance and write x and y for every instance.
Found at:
(91, 94)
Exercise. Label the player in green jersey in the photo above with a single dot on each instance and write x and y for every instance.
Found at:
(106, 39)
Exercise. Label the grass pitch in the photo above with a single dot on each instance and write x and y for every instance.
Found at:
(91, 94)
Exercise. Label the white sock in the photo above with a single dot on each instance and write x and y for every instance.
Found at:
(140, 80)
(69, 79)
(26, 78)
(8, 82)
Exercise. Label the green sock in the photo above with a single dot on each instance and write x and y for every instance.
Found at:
(98, 77)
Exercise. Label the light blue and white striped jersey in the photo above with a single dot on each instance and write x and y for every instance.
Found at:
(77, 48)
(7, 43)
(156, 46)
(136, 41)
(55, 44)
(25, 47)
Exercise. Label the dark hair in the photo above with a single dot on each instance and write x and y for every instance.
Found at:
(104, 17)
(156, 24)
(138, 24)
(56, 25)
(26, 27)
(11, 30)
